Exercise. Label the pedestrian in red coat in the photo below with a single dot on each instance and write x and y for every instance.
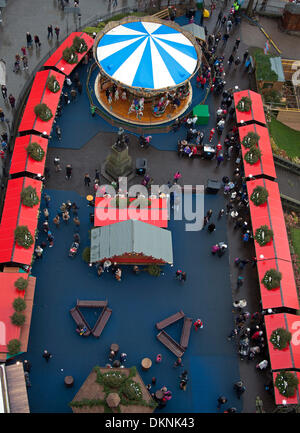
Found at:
(198, 324)
(212, 131)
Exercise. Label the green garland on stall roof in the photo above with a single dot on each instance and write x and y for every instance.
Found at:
(271, 279)
(253, 155)
(14, 346)
(43, 112)
(70, 56)
(52, 84)
(286, 382)
(280, 338)
(21, 284)
(250, 139)
(35, 151)
(79, 45)
(18, 319)
(29, 196)
(259, 195)
(23, 237)
(244, 105)
(263, 235)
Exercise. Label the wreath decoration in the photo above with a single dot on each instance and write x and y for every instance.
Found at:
(52, 84)
(263, 235)
(43, 112)
(14, 346)
(29, 196)
(259, 195)
(21, 284)
(35, 151)
(251, 139)
(253, 155)
(271, 279)
(18, 319)
(244, 104)
(23, 237)
(286, 383)
(280, 338)
(79, 45)
(70, 56)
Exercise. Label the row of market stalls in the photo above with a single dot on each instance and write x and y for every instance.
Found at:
(23, 195)
(271, 243)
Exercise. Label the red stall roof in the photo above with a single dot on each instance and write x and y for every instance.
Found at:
(270, 214)
(264, 166)
(288, 358)
(256, 114)
(40, 94)
(15, 214)
(156, 214)
(8, 293)
(21, 162)
(57, 61)
(280, 399)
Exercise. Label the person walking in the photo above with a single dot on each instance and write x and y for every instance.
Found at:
(76, 221)
(56, 221)
(37, 41)
(239, 388)
(46, 213)
(87, 180)
(178, 363)
(220, 15)
(38, 252)
(58, 132)
(25, 63)
(177, 176)
(239, 282)
(211, 228)
(47, 200)
(56, 162)
(221, 213)
(12, 101)
(50, 31)
(198, 324)
(50, 238)
(73, 94)
(26, 366)
(4, 91)
(230, 60)
(220, 159)
(79, 88)
(57, 30)
(66, 216)
(225, 39)
(47, 355)
(236, 63)
(221, 400)
(68, 171)
(29, 40)
(262, 365)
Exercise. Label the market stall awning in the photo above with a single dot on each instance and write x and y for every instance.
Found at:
(156, 213)
(270, 214)
(265, 165)
(57, 61)
(8, 293)
(197, 31)
(21, 161)
(256, 114)
(16, 214)
(41, 94)
(147, 55)
(288, 358)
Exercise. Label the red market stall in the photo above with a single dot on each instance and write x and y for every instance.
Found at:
(271, 215)
(21, 162)
(265, 165)
(16, 214)
(256, 113)
(282, 400)
(41, 94)
(155, 214)
(288, 358)
(57, 61)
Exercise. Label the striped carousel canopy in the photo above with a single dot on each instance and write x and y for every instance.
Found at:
(147, 54)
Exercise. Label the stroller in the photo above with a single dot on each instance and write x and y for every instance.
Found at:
(74, 249)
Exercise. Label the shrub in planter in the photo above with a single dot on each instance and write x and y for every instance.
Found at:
(29, 196)
(154, 270)
(132, 390)
(244, 104)
(43, 112)
(14, 346)
(52, 84)
(19, 304)
(79, 45)
(23, 237)
(21, 284)
(251, 139)
(112, 379)
(70, 56)
(86, 254)
(286, 382)
(18, 319)
(263, 235)
(280, 338)
(259, 195)
(271, 279)
(35, 151)
(253, 155)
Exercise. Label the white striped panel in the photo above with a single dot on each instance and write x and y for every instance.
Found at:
(151, 27)
(187, 62)
(121, 30)
(161, 75)
(107, 50)
(175, 37)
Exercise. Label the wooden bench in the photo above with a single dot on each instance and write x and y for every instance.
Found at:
(171, 344)
(101, 322)
(185, 333)
(169, 320)
(80, 320)
(92, 304)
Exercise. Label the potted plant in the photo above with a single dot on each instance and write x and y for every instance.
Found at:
(14, 346)
(21, 284)
(19, 305)
(17, 319)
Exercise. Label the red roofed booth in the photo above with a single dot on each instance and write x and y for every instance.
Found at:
(270, 214)
(16, 214)
(288, 358)
(57, 61)
(256, 113)
(155, 214)
(265, 165)
(41, 94)
(21, 162)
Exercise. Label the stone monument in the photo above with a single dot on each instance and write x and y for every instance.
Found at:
(118, 163)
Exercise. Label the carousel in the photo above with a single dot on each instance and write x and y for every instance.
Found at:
(145, 68)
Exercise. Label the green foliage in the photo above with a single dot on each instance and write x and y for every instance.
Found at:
(253, 155)
(87, 402)
(52, 84)
(263, 235)
(263, 66)
(280, 338)
(23, 237)
(154, 270)
(19, 304)
(271, 279)
(112, 379)
(35, 151)
(259, 195)
(287, 139)
(43, 112)
(251, 139)
(86, 255)
(17, 319)
(79, 45)
(272, 97)
(70, 56)
(14, 346)
(29, 196)
(286, 382)
(21, 284)
(244, 105)
(132, 390)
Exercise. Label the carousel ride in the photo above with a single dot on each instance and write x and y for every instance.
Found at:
(145, 67)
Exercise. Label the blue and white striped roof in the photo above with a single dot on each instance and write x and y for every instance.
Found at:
(147, 54)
